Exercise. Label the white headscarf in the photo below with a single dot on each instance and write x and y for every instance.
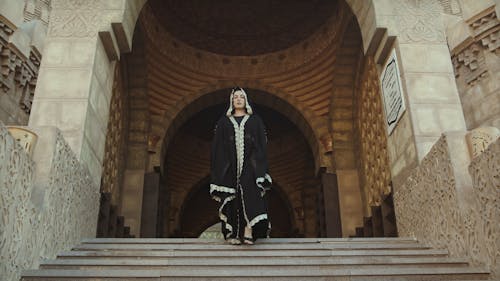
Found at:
(247, 103)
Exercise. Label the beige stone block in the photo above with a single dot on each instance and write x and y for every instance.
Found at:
(425, 58)
(351, 209)
(66, 115)
(431, 88)
(65, 83)
(73, 52)
(71, 115)
(13, 11)
(115, 4)
(451, 118)
(384, 7)
(90, 159)
(98, 100)
(95, 133)
(398, 165)
(345, 159)
(102, 66)
(389, 22)
(133, 185)
(426, 122)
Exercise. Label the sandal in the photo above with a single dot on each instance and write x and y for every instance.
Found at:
(234, 241)
(248, 241)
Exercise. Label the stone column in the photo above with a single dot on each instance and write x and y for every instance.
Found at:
(433, 103)
(76, 74)
(332, 205)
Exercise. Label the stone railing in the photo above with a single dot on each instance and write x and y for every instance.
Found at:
(485, 173)
(47, 204)
(440, 205)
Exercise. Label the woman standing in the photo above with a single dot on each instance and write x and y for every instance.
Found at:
(239, 172)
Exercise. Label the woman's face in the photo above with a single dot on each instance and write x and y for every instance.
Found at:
(239, 100)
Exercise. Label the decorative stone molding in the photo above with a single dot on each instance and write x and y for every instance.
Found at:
(244, 66)
(419, 21)
(472, 58)
(485, 28)
(45, 210)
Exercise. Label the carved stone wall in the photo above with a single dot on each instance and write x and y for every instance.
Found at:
(475, 50)
(116, 138)
(485, 171)
(429, 205)
(45, 210)
(375, 174)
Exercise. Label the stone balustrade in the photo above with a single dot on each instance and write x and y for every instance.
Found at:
(47, 203)
(452, 202)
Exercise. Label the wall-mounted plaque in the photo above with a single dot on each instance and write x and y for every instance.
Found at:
(392, 92)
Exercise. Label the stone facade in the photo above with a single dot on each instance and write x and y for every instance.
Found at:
(325, 85)
(42, 200)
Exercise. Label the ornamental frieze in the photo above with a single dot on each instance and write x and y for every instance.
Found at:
(248, 66)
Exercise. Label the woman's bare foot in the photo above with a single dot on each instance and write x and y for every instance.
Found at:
(247, 237)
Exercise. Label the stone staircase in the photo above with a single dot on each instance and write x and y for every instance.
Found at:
(360, 259)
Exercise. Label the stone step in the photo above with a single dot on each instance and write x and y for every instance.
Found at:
(262, 262)
(252, 252)
(257, 246)
(250, 273)
(260, 241)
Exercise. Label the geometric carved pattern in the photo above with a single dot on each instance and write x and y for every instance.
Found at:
(428, 206)
(473, 59)
(419, 21)
(374, 161)
(485, 171)
(114, 155)
(67, 215)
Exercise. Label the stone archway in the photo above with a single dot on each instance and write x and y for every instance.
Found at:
(314, 130)
(108, 27)
(186, 156)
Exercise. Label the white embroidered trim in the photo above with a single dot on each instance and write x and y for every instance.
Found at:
(260, 180)
(239, 131)
(223, 217)
(243, 203)
(239, 136)
(221, 188)
(257, 219)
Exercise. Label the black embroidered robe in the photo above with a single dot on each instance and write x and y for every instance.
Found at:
(239, 175)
